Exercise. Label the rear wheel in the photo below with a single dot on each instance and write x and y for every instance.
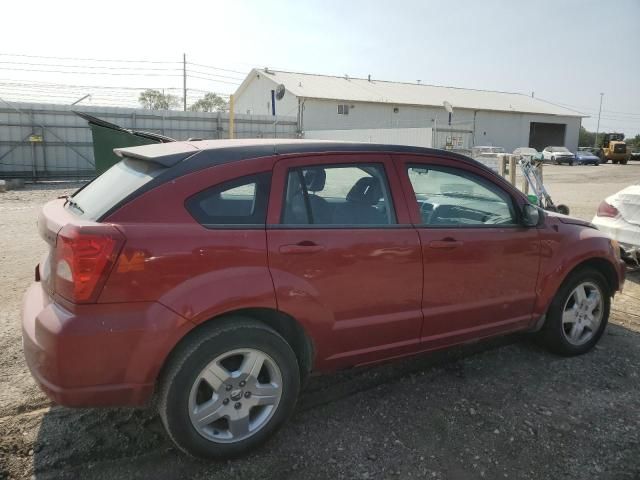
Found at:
(615, 162)
(623, 162)
(228, 388)
(578, 314)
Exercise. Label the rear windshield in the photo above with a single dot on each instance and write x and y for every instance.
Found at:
(103, 193)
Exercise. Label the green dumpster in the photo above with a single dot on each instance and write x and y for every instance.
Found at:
(107, 136)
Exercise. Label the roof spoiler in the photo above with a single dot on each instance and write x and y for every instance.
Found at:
(165, 155)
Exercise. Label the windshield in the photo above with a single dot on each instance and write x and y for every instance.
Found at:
(124, 178)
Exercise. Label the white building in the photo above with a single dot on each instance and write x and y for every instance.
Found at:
(480, 117)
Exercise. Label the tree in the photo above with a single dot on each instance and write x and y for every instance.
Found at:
(211, 102)
(634, 143)
(157, 100)
(586, 138)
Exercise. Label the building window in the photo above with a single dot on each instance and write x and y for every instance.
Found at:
(396, 110)
(343, 109)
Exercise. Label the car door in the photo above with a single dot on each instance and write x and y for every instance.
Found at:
(480, 263)
(344, 257)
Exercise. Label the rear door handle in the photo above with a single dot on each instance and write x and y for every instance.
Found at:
(301, 247)
(445, 243)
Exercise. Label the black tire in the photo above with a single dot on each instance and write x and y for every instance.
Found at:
(563, 209)
(615, 162)
(194, 354)
(623, 162)
(571, 163)
(552, 334)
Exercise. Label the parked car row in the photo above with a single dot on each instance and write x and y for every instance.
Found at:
(489, 155)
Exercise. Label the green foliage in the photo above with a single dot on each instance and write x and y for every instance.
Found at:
(211, 102)
(586, 138)
(634, 143)
(157, 100)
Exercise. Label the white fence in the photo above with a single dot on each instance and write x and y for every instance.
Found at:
(417, 137)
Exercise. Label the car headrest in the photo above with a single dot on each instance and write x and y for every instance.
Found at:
(366, 190)
(314, 179)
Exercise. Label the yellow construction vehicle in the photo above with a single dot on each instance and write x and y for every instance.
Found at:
(614, 148)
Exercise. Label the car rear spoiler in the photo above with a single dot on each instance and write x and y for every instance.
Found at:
(165, 155)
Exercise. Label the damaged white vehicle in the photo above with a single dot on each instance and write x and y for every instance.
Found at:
(619, 217)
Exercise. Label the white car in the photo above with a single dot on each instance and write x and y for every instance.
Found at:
(619, 217)
(558, 155)
(487, 155)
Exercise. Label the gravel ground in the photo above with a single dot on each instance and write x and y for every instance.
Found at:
(498, 409)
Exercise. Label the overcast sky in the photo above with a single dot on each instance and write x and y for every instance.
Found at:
(566, 51)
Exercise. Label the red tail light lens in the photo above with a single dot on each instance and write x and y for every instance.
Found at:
(83, 260)
(606, 210)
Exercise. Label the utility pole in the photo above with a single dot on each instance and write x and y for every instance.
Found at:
(184, 80)
(595, 143)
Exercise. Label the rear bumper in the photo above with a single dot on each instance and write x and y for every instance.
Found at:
(627, 234)
(99, 354)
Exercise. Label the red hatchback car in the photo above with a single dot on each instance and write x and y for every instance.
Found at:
(216, 276)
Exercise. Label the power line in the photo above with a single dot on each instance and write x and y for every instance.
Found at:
(214, 75)
(212, 80)
(89, 66)
(33, 82)
(89, 59)
(94, 73)
(216, 68)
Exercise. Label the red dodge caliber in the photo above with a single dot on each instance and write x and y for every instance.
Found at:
(216, 276)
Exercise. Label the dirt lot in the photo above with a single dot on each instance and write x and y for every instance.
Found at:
(499, 409)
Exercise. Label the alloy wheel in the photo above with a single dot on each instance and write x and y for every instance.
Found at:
(235, 395)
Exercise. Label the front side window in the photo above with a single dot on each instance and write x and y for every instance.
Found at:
(454, 198)
(242, 201)
(347, 195)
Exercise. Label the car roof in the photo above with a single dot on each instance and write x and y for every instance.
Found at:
(195, 155)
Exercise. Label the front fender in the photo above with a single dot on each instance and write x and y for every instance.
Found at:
(564, 247)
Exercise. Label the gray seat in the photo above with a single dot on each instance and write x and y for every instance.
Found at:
(359, 208)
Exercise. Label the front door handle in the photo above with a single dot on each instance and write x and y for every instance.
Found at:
(301, 247)
(445, 243)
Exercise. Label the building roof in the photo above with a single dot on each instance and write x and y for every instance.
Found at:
(398, 93)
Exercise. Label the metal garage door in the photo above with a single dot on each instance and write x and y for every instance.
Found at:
(546, 134)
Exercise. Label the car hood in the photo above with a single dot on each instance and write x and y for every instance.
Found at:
(562, 154)
(627, 201)
(587, 156)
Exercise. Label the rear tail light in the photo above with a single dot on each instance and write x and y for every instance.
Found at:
(84, 257)
(607, 210)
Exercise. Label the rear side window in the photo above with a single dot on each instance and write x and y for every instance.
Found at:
(242, 201)
(347, 195)
(103, 193)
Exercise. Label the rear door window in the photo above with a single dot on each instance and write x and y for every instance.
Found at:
(242, 201)
(348, 195)
(114, 185)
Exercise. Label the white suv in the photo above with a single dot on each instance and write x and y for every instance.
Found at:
(558, 155)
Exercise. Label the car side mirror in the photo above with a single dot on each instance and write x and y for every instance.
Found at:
(530, 215)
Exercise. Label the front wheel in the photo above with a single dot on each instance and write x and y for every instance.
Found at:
(578, 314)
(228, 388)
